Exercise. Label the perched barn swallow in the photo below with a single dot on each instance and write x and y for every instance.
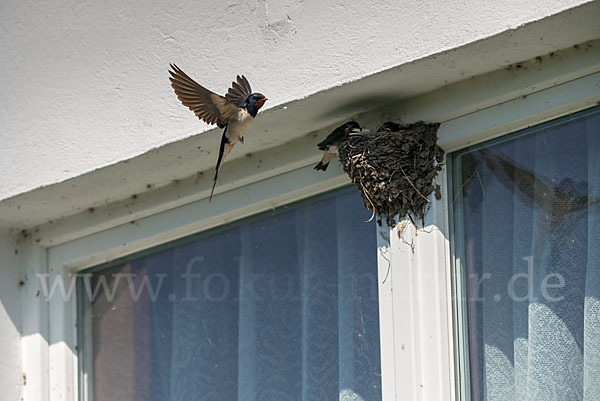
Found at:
(235, 111)
(332, 142)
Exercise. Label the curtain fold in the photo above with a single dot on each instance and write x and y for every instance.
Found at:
(203, 335)
(317, 255)
(522, 262)
(591, 330)
(358, 317)
(559, 251)
(496, 306)
(270, 356)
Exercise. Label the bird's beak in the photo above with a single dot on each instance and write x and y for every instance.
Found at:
(358, 130)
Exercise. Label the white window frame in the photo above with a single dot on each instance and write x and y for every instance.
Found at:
(418, 319)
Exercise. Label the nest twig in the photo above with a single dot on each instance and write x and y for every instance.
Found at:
(394, 168)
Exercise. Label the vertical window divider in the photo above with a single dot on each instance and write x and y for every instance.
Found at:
(84, 342)
(386, 314)
(459, 290)
(415, 306)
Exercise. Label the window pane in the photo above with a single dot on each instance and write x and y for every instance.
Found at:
(284, 307)
(528, 231)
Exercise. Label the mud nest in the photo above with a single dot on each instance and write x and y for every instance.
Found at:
(394, 169)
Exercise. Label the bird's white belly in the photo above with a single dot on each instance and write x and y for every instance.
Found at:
(238, 126)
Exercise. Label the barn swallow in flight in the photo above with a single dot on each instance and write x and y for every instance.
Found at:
(235, 111)
(332, 142)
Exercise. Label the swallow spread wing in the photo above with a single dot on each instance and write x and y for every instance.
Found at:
(234, 112)
(330, 145)
(239, 91)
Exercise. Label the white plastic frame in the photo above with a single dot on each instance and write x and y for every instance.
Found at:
(416, 308)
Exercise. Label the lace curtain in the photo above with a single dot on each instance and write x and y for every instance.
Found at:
(281, 308)
(530, 224)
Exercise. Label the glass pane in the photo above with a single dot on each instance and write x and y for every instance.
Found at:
(284, 307)
(528, 235)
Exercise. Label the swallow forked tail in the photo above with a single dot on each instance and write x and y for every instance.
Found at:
(324, 163)
(222, 153)
(321, 166)
(212, 191)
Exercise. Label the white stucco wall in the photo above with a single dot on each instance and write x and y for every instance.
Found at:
(84, 83)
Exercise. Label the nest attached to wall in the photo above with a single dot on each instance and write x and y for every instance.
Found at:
(394, 169)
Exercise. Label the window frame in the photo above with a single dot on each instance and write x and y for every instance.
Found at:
(419, 363)
(84, 305)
